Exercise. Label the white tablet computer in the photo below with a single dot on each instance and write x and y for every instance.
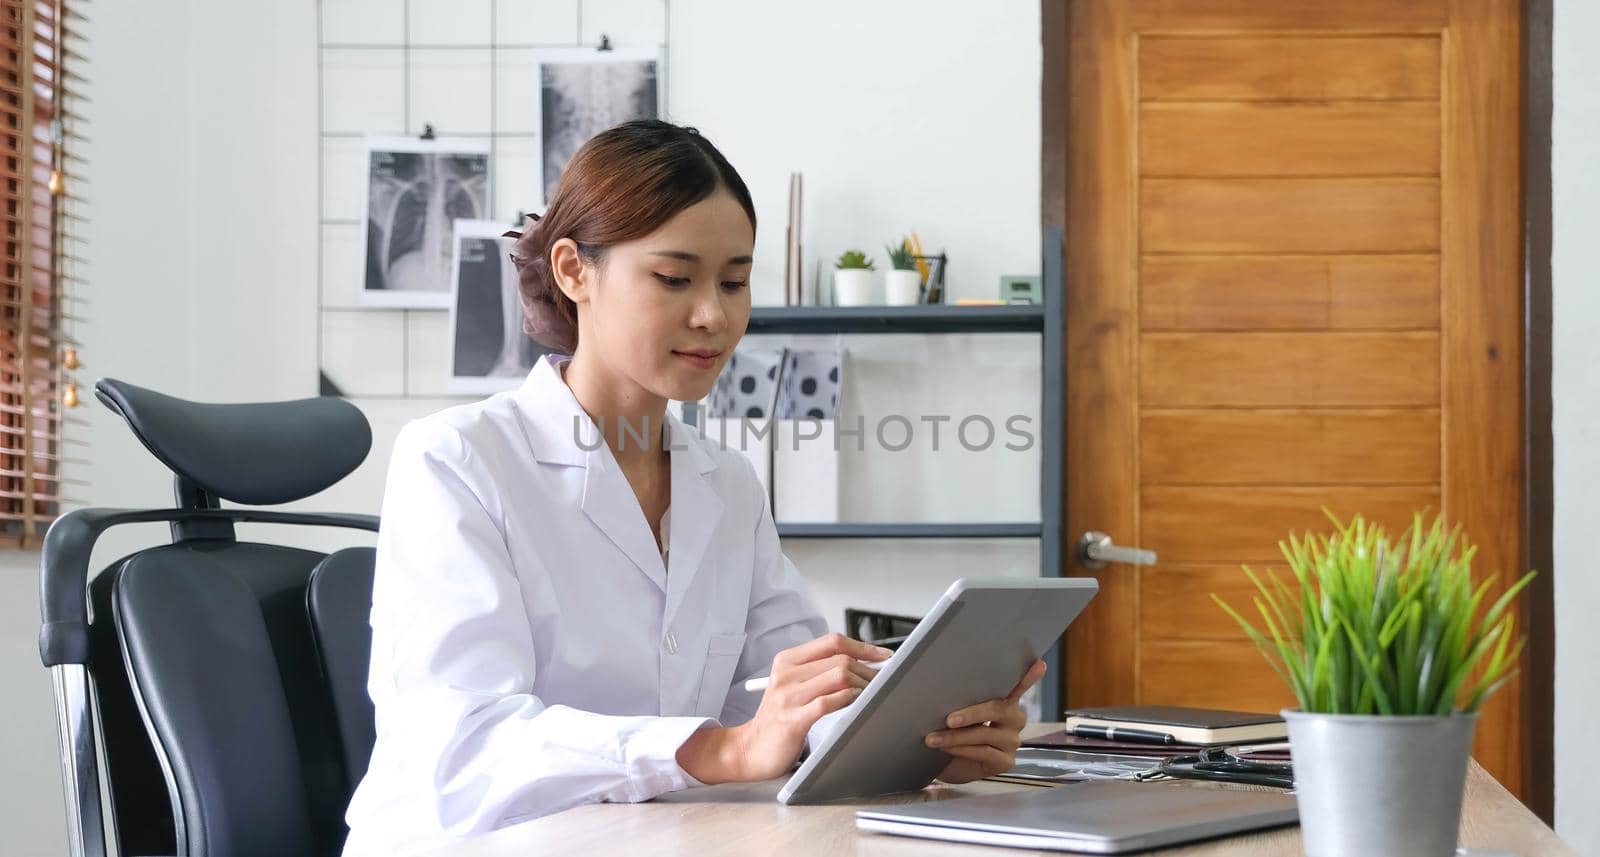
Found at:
(975, 644)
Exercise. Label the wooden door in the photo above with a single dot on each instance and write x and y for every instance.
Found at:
(1293, 283)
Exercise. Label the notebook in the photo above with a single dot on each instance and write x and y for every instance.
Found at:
(1276, 751)
(1107, 817)
(1194, 726)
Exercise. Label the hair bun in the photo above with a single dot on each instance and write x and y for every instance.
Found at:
(547, 315)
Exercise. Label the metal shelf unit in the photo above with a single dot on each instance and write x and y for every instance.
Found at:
(924, 318)
(1046, 319)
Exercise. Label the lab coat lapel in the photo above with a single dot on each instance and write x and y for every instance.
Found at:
(555, 426)
(609, 501)
(696, 512)
(560, 433)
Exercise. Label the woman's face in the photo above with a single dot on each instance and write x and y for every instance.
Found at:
(666, 310)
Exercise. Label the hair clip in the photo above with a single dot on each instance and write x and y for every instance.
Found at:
(522, 217)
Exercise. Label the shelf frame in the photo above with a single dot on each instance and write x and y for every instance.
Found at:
(921, 318)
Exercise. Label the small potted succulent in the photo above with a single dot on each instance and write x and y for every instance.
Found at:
(1391, 650)
(902, 285)
(852, 279)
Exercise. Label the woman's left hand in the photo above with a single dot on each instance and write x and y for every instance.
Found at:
(984, 738)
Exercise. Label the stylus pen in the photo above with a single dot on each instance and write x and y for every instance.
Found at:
(757, 685)
(1118, 733)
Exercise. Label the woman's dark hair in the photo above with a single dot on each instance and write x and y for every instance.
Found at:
(621, 185)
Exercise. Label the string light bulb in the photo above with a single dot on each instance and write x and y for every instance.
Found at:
(69, 396)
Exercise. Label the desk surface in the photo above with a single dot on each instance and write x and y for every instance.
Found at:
(745, 818)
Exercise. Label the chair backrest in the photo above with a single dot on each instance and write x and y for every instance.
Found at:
(211, 698)
(340, 601)
(225, 672)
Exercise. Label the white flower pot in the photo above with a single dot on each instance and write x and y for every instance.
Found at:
(853, 287)
(902, 288)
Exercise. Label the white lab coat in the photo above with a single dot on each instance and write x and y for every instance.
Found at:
(529, 651)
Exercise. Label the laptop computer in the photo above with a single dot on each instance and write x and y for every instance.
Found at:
(1106, 817)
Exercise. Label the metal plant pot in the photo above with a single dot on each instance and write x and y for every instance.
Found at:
(1372, 786)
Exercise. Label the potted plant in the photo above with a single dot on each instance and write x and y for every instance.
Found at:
(852, 279)
(1390, 652)
(902, 285)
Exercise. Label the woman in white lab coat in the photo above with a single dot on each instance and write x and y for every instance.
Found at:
(570, 584)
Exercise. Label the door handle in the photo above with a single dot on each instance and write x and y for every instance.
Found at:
(1096, 549)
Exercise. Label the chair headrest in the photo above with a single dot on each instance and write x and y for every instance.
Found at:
(255, 454)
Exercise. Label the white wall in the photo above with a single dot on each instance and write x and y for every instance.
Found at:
(901, 115)
(1575, 261)
(204, 252)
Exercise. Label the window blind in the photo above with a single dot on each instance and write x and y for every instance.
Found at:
(41, 206)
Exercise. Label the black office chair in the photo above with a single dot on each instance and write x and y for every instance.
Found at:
(223, 681)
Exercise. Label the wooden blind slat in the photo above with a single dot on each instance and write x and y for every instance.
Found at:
(36, 224)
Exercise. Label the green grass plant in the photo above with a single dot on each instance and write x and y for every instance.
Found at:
(900, 257)
(1371, 625)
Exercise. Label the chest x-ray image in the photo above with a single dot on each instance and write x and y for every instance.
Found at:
(583, 91)
(488, 350)
(416, 190)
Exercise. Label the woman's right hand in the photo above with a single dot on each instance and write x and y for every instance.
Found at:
(808, 681)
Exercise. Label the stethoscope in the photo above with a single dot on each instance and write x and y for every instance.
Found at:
(1223, 764)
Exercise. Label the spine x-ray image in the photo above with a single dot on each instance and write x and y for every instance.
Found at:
(579, 99)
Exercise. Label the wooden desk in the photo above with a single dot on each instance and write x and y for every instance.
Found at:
(744, 819)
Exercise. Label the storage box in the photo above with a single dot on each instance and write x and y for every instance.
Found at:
(805, 453)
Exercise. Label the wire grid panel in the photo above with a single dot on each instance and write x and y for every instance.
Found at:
(466, 68)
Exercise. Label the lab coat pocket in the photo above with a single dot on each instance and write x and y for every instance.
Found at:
(722, 658)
